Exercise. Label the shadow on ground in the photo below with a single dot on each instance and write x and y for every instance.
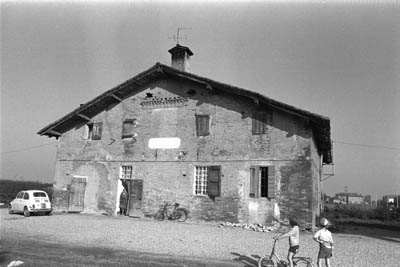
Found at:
(246, 260)
(40, 253)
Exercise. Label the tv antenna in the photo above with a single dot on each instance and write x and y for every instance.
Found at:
(179, 36)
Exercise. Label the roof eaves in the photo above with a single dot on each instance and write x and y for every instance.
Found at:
(49, 129)
(320, 124)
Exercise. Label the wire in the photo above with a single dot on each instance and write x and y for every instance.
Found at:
(371, 146)
(27, 148)
(337, 142)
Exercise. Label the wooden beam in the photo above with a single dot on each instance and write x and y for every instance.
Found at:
(83, 116)
(52, 132)
(116, 97)
(208, 86)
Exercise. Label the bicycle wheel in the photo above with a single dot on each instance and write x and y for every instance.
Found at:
(265, 262)
(159, 216)
(303, 263)
(180, 215)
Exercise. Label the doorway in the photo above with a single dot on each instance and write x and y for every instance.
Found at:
(134, 187)
(77, 188)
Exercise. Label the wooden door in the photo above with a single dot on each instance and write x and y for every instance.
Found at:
(77, 194)
(135, 198)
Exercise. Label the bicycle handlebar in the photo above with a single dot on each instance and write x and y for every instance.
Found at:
(166, 203)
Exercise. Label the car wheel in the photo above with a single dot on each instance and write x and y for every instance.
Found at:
(26, 212)
(48, 213)
(10, 211)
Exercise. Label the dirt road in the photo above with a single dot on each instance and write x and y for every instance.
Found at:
(88, 240)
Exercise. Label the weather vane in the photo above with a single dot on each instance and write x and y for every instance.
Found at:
(178, 36)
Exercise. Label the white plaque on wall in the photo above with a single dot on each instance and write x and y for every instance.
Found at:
(164, 143)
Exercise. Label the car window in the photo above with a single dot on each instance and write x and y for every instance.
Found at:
(39, 194)
(26, 196)
(20, 194)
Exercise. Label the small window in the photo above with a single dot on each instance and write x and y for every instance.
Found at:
(259, 123)
(207, 181)
(202, 125)
(95, 130)
(39, 194)
(26, 196)
(126, 172)
(262, 182)
(127, 128)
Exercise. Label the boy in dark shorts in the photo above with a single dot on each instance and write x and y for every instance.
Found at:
(324, 238)
(294, 239)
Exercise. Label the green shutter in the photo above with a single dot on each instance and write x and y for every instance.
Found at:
(271, 182)
(97, 130)
(259, 122)
(202, 125)
(214, 181)
(254, 181)
(127, 128)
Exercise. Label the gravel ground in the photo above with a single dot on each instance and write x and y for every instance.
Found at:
(191, 239)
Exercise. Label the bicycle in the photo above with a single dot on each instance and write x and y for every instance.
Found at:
(179, 214)
(273, 260)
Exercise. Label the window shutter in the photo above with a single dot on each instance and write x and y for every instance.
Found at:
(214, 181)
(97, 129)
(202, 125)
(254, 182)
(85, 132)
(127, 128)
(259, 122)
(271, 182)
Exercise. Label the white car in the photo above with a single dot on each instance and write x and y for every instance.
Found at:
(30, 201)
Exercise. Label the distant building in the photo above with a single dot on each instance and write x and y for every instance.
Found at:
(368, 200)
(349, 198)
(391, 201)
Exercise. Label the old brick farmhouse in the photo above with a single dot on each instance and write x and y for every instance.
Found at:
(222, 152)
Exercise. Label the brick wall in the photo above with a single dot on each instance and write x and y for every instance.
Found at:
(167, 109)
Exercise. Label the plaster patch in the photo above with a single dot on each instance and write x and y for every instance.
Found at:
(164, 143)
(253, 206)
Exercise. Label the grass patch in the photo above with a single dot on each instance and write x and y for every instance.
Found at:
(374, 217)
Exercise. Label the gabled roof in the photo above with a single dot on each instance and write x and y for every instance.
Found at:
(82, 114)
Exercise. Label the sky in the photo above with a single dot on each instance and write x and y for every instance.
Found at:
(339, 59)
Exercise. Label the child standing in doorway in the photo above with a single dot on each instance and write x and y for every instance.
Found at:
(324, 238)
(123, 202)
(294, 239)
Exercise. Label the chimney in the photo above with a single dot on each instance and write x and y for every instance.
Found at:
(180, 56)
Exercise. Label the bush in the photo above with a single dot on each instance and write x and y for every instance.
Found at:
(361, 212)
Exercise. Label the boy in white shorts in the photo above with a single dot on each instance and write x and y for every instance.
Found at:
(324, 238)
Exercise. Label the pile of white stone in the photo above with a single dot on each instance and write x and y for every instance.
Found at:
(255, 227)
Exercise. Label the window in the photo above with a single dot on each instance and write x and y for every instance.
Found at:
(259, 123)
(20, 195)
(39, 194)
(202, 125)
(262, 182)
(26, 196)
(127, 128)
(95, 130)
(207, 181)
(126, 172)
